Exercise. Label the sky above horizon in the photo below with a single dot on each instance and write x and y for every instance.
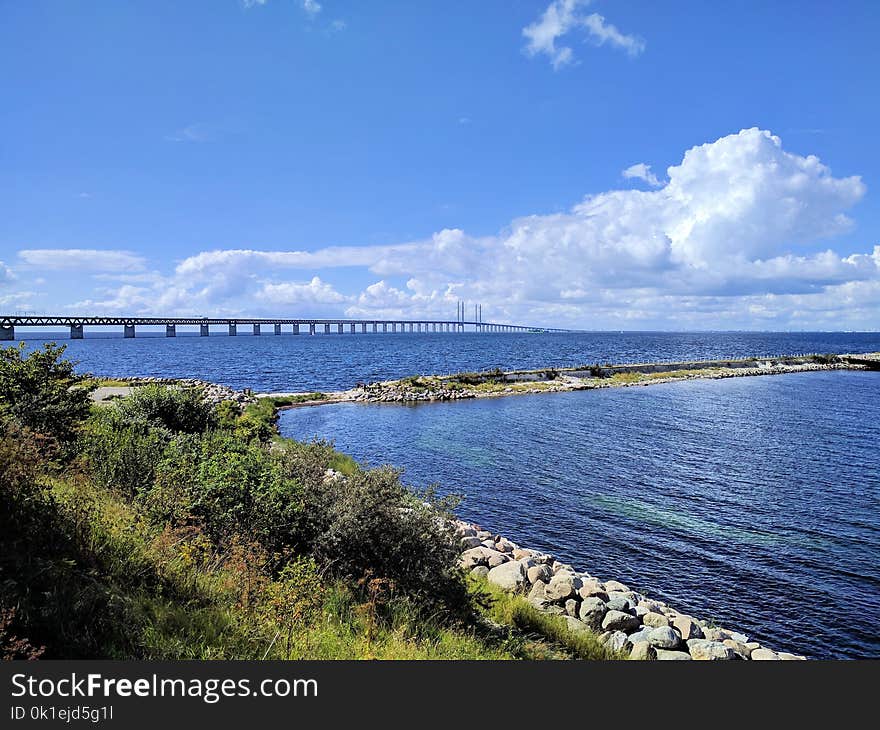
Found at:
(605, 164)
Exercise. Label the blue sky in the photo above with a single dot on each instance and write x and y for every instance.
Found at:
(610, 164)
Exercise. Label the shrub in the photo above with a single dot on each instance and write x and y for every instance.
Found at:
(121, 454)
(38, 390)
(175, 409)
(370, 524)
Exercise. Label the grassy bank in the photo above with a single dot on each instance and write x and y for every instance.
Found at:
(159, 527)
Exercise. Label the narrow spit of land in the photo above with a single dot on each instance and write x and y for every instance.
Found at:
(497, 383)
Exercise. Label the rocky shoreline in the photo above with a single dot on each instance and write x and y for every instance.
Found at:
(626, 621)
(519, 382)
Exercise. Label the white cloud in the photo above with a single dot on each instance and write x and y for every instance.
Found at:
(313, 292)
(641, 171)
(311, 7)
(81, 259)
(191, 133)
(732, 239)
(6, 274)
(337, 26)
(560, 18)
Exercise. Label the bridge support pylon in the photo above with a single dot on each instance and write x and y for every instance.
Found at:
(128, 331)
(256, 329)
(204, 330)
(170, 330)
(7, 332)
(277, 329)
(233, 329)
(76, 332)
(296, 329)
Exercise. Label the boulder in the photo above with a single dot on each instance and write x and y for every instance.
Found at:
(538, 592)
(707, 650)
(664, 637)
(655, 620)
(571, 607)
(480, 571)
(575, 626)
(738, 647)
(592, 589)
(687, 627)
(510, 576)
(667, 655)
(759, 655)
(539, 573)
(496, 560)
(477, 556)
(651, 606)
(615, 641)
(618, 603)
(786, 657)
(613, 585)
(520, 554)
(642, 651)
(562, 586)
(470, 542)
(620, 621)
(641, 635)
(591, 612)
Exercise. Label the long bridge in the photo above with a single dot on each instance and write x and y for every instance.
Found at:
(8, 323)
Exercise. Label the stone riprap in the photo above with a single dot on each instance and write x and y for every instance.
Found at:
(213, 393)
(625, 620)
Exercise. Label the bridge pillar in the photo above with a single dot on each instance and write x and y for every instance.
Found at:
(76, 332)
(363, 328)
(434, 327)
(339, 328)
(7, 332)
(204, 330)
(384, 326)
(233, 329)
(277, 329)
(394, 326)
(326, 329)
(419, 327)
(312, 328)
(351, 328)
(128, 331)
(256, 329)
(170, 330)
(296, 329)
(410, 326)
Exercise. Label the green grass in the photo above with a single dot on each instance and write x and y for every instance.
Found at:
(514, 610)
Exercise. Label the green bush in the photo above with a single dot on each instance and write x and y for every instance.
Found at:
(172, 408)
(41, 392)
(121, 454)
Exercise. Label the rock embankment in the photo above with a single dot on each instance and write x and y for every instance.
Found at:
(213, 393)
(625, 620)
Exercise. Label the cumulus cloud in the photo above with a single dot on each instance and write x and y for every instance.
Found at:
(311, 7)
(561, 18)
(734, 238)
(6, 274)
(642, 172)
(82, 259)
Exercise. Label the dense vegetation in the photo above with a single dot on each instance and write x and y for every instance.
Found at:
(161, 527)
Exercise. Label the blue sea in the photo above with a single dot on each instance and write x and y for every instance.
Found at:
(754, 502)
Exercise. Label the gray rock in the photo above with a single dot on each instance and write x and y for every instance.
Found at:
(786, 657)
(618, 603)
(578, 627)
(687, 627)
(571, 607)
(707, 650)
(641, 635)
(591, 612)
(738, 647)
(665, 655)
(592, 589)
(539, 573)
(538, 592)
(762, 654)
(615, 641)
(620, 621)
(642, 651)
(562, 586)
(655, 620)
(481, 571)
(664, 637)
(499, 559)
(470, 542)
(510, 576)
(613, 585)
(477, 556)
(651, 606)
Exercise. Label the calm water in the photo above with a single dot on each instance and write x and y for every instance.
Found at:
(751, 501)
(327, 362)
